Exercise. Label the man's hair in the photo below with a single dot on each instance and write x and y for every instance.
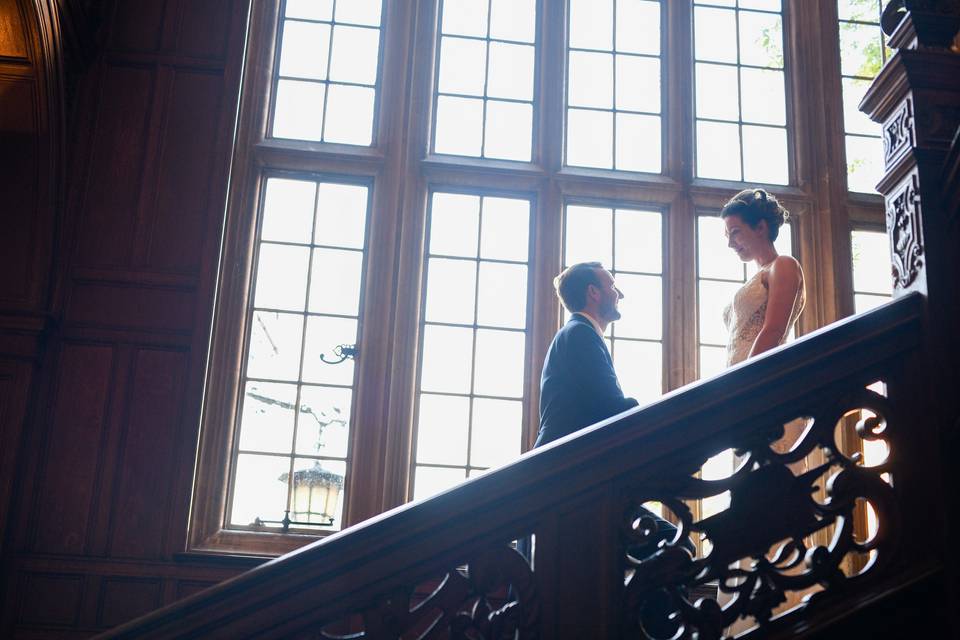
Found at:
(572, 283)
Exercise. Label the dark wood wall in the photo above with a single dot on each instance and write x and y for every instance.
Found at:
(105, 305)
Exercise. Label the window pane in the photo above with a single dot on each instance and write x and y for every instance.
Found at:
(429, 481)
(324, 421)
(258, 490)
(638, 83)
(860, 49)
(511, 71)
(713, 360)
(763, 5)
(495, 436)
(341, 215)
(761, 39)
(335, 281)
(762, 96)
(639, 367)
(303, 53)
(864, 163)
(465, 17)
(499, 363)
(454, 219)
(323, 334)
(349, 115)
(765, 155)
(642, 307)
(459, 127)
(451, 290)
(274, 349)
(717, 92)
(863, 302)
(359, 12)
(442, 426)
(590, 138)
(288, 210)
(718, 150)
(871, 262)
(267, 417)
(591, 79)
(854, 120)
(638, 241)
(861, 10)
(591, 24)
(513, 20)
(638, 26)
(298, 113)
(588, 235)
(715, 36)
(447, 356)
(310, 9)
(281, 277)
(502, 295)
(714, 297)
(638, 143)
(509, 133)
(463, 66)
(506, 224)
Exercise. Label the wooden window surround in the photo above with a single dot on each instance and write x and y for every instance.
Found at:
(403, 172)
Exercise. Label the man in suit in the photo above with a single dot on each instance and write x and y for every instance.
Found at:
(578, 386)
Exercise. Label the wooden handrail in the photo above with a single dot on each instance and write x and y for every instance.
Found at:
(547, 491)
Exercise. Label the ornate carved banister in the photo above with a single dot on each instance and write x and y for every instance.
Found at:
(577, 497)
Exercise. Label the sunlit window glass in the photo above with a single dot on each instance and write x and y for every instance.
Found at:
(629, 243)
(485, 79)
(292, 457)
(328, 64)
(872, 284)
(862, 54)
(741, 131)
(471, 393)
(613, 85)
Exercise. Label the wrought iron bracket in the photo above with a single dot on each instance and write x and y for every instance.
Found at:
(342, 351)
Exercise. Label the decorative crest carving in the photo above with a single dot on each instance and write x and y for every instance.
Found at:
(903, 227)
(897, 133)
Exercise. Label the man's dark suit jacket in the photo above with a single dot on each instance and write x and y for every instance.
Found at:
(578, 386)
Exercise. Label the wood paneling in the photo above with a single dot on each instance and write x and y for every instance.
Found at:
(50, 598)
(18, 183)
(107, 304)
(145, 488)
(124, 598)
(73, 449)
(13, 43)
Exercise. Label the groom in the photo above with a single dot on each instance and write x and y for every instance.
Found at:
(578, 386)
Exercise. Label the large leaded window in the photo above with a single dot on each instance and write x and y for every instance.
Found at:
(410, 176)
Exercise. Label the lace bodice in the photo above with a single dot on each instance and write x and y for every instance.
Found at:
(744, 316)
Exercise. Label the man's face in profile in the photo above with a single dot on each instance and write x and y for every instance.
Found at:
(609, 296)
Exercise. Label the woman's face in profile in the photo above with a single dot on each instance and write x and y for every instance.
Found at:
(746, 241)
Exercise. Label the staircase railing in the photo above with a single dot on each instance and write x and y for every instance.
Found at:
(793, 525)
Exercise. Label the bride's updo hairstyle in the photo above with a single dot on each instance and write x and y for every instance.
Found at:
(754, 205)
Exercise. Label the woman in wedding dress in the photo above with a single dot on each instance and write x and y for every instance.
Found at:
(766, 307)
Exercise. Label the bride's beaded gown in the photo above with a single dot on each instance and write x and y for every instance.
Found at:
(744, 315)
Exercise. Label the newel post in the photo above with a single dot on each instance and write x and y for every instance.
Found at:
(916, 97)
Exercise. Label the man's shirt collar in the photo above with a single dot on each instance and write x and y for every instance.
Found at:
(596, 325)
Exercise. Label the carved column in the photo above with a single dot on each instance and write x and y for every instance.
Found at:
(916, 97)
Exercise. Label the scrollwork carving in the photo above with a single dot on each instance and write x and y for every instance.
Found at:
(461, 607)
(760, 545)
(903, 227)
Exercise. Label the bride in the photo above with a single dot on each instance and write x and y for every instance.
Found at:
(766, 307)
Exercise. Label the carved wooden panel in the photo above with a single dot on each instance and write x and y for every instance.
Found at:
(50, 598)
(115, 166)
(18, 184)
(124, 598)
(183, 195)
(68, 476)
(904, 230)
(898, 134)
(146, 462)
